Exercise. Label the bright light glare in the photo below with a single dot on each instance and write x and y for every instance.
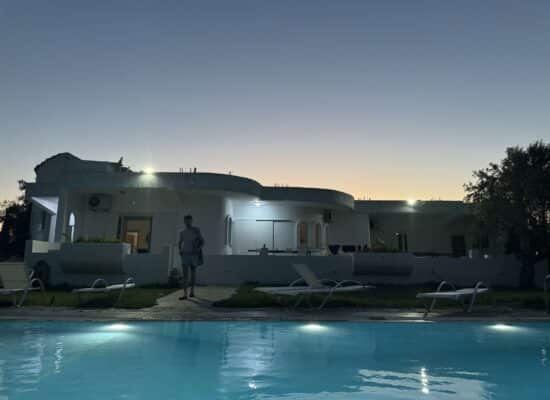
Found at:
(149, 170)
(252, 385)
(118, 327)
(313, 327)
(424, 381)
(505, 328)
(411, 202)
(257, 203)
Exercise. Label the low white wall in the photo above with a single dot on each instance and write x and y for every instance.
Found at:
(146, 269)
(376, 268)
(269, 270)
(392, 268)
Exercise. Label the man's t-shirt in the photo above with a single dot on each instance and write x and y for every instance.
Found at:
(191, 241)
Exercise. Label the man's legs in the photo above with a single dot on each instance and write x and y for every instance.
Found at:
(185, 271)
(193, 278)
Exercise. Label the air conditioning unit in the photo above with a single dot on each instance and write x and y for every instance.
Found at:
(100, 202)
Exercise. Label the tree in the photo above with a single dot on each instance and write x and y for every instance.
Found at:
(513, 197)
(14, 230)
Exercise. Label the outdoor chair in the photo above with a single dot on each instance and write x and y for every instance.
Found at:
(100, 285)
(17, 280)
(455, 294)
(314, 285)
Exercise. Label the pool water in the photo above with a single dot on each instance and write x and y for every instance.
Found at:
(273, 360)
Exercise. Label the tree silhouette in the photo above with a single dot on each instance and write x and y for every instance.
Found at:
(15, 229)
(513, 199)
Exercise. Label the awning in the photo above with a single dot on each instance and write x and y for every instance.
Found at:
(48, 204)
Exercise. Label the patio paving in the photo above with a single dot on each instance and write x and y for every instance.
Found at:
(200, 308)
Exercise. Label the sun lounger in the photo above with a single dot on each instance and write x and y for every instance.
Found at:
(16, 280)
(454, 294)
(314, 285)
(100, 285)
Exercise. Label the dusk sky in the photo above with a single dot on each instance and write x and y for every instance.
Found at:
(383, 99)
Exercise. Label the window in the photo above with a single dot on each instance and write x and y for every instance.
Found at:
(458, 245)
(228, 228)
(318, 236)
(402, 242)
(137, 232)
(72, 223)
(302, 234)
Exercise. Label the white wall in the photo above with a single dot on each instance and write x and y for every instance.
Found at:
(426, 232)
(349, 228)
(167, 209)
(269, 270)
(407, 269)
(208, 213)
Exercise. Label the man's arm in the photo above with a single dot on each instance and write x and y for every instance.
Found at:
(200, 238)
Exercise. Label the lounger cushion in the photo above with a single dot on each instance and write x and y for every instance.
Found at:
(296, 290)
(10, 291)
(104, 289)
(120, 286)
(452, 295)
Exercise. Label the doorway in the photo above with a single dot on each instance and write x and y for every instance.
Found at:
(136, 231)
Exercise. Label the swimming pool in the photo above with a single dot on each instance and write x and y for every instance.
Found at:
(273, 360)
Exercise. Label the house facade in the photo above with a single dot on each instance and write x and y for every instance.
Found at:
(81, 201)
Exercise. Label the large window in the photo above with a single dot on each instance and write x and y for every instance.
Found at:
(228, 230)
(318, 236)
(137, 232)
(302, 234)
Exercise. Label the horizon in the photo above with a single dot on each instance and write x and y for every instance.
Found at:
(389, 100)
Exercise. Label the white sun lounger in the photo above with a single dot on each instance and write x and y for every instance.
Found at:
(314, 286)
(454, 294)
(16, 280)
(100, 285)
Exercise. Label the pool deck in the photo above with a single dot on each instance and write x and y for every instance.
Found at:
(170, 308)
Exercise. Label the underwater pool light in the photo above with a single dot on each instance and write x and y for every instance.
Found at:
(313, 327)
(505, 328)
(118, 327)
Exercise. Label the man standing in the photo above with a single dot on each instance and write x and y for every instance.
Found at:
(190, 247)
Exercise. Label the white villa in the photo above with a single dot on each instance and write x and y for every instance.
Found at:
(93, 217)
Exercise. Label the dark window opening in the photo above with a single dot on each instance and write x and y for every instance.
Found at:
(458, 245)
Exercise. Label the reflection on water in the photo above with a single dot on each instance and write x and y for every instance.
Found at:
(257, 360)
(413, 385)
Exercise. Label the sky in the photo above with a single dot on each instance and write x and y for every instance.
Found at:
(380, 99)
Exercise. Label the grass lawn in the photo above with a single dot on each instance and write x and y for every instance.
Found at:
(388, 297)
(132, 299)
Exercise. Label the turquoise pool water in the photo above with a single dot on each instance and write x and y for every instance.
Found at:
(273, 360)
